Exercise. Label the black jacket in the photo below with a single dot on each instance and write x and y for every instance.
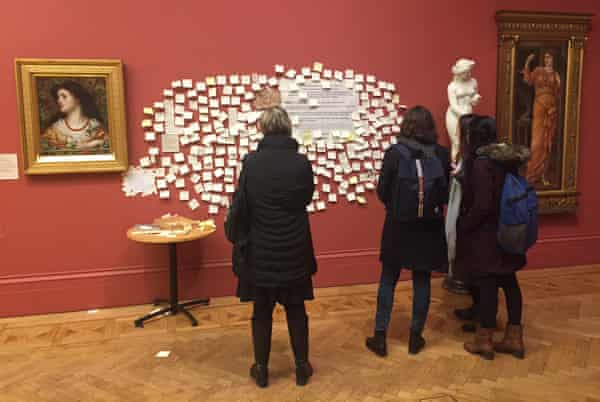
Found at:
(419, 245)
(279, 186)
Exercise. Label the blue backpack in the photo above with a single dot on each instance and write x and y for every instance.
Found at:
(421, 188)
(518, 224)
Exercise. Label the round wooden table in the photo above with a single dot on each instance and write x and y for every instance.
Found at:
(174, 306)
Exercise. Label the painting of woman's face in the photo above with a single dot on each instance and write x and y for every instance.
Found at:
(73, 114)
(548, 60)
(66, 101)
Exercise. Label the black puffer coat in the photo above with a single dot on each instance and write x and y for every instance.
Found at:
(279, 186)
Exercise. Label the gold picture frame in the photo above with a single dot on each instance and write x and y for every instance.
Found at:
(72, 115)
(538, 106)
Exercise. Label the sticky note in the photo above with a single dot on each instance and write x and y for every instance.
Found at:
(332, 198)
(195, 178)
(193, 204)
(184, 169)
(318, 67)
(161, 184)
(184, 196)
(180, 183)
(144, 162)
(164, 195)
(150, 136)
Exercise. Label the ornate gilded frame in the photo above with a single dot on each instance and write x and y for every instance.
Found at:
(26, 72)
(572, 29)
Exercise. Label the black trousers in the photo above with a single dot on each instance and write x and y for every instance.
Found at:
(488, 298)
(262, 323)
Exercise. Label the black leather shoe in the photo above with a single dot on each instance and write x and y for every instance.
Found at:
(260, 375)
(303, 372)
(416, 343)
(377, 344)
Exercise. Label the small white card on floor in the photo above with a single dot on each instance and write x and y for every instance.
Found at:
(163, 354)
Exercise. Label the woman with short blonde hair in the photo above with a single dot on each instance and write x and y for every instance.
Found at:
(279, 259)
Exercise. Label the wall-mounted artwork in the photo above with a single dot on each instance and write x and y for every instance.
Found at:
(539, 93)
(72, 115)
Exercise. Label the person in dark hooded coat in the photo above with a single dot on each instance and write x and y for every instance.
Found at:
(478, 255)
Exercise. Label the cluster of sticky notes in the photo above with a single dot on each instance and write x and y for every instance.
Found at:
(200, 131)
(345, 162)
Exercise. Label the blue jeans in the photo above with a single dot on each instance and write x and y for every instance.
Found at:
(385, 298)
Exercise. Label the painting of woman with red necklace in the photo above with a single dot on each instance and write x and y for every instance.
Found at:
(76, 127)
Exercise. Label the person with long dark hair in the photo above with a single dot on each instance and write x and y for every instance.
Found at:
(280, 261)
(77, 125)
(419, 244)
(478, 255)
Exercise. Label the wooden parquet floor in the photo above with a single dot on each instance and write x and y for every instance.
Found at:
(103, 357)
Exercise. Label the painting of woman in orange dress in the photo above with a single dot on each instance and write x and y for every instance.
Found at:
(546, 110)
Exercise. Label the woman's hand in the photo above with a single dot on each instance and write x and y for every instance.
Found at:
(529, 59)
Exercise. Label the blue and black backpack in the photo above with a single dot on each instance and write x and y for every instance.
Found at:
(518, 224)
(421, 187)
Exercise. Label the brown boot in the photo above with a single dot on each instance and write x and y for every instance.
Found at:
(482, 345)
(512, 342)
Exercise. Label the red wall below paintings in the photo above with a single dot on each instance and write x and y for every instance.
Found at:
(62, 238)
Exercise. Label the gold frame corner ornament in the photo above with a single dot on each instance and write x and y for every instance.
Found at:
(573, 30)
(26, 71)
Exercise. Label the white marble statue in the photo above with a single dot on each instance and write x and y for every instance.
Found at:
(462, 96)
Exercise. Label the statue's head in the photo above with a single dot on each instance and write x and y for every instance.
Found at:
(462, 69)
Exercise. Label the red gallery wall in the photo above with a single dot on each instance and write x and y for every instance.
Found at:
(62, 237)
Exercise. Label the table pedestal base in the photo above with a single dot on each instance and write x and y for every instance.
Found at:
(174, 307)
(177, 308)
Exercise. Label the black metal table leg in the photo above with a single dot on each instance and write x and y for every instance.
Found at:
(174, 306)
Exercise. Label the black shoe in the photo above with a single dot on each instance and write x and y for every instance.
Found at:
(260, 375)
(416, 343)
(377, 344)
(454, 286)
(466, 314)
(303, 372)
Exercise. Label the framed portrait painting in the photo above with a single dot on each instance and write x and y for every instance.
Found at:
(540, 58)
(72, 115)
